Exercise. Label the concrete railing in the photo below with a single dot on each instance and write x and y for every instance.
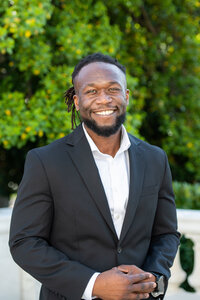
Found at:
(189, 225)
(15, 284)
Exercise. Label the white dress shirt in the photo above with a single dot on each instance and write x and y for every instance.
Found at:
(114, 173)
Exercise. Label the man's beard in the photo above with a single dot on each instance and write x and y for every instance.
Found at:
(105, 131)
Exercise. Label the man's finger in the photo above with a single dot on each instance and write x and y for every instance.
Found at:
(139, 277)
(139, 296)
(145, 287)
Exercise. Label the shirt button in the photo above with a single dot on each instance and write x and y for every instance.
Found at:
(119, 250)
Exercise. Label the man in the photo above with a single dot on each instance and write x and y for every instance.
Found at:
(95, 213)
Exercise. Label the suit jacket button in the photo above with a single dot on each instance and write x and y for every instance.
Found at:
(119, 250)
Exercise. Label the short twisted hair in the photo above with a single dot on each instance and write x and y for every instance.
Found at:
(69, 94)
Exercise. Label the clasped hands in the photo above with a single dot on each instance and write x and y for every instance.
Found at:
(124, 282)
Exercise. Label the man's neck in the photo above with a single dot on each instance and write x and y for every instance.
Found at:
(107, 145)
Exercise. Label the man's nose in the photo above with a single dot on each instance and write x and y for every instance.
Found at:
(103, 97)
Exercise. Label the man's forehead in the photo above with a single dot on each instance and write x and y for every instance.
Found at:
(97, 70)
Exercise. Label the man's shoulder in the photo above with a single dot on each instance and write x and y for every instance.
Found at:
(144, 145)
(51, 147)
(153, 155)
(59, 146)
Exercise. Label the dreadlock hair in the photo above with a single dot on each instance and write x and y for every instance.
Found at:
(69, 94)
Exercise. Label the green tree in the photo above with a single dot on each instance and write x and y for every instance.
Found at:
(158, 41)
(40, 42)
(161, 47)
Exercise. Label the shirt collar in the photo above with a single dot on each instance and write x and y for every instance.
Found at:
(124, 144)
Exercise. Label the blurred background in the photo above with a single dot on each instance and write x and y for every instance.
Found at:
(158, 42)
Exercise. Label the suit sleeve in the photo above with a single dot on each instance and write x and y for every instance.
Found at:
(165, 238)
(30, 236)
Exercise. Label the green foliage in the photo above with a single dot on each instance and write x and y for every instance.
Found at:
(158, 41)
(187, 195)
(40, 44)
(161, 49)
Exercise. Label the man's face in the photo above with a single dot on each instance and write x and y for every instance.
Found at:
(101, 97)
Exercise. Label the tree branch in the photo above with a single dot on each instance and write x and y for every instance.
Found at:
(148, 21)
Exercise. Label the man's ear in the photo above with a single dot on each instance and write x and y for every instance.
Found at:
(76, 101)
(127, 96)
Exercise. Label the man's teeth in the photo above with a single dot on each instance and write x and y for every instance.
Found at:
(105, 112)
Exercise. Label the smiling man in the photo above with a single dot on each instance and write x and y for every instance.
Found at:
(95, 213)
(101, 98)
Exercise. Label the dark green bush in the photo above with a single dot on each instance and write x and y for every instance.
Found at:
(187, 261)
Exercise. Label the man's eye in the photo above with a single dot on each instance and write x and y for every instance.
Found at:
(114, 89)
(91, 92)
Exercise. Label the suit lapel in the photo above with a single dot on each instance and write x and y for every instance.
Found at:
(81, 155)
(137, 168)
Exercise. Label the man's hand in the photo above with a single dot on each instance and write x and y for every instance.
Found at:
(117, 285)
(132, 269)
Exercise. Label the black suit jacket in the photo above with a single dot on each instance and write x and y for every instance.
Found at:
(62, 230)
